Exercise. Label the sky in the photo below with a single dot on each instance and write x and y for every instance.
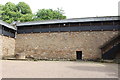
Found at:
(74, 8)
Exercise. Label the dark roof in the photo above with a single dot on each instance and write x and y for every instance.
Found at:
(88, 19)
(7, 25)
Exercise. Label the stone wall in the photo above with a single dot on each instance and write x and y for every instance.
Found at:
(62, 45)
(8, 46)
(1, 40)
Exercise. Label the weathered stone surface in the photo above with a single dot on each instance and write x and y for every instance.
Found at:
(63, 45)
(7, 46)
(1, 40)
(19, 56)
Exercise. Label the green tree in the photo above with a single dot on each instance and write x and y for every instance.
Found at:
(49, 14)
(26, 17)
(26, 12)
(22, 12)
(10, 12)
(24, 8)
(1, 10)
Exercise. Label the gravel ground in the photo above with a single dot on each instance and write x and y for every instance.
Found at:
(58, 69)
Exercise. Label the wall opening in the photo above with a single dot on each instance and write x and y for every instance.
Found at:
(79, 55)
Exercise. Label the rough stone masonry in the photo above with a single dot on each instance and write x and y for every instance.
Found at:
(7, 46)
(62, 45)
(1, 40)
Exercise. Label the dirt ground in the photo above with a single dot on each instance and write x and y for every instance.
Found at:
(58, 69)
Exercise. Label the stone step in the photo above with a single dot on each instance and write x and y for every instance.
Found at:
(7, 57)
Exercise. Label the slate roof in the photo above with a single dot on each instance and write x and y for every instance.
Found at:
(87, 19)
(7, 25)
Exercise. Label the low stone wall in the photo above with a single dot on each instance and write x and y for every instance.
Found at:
(8, 46)
(63, 45)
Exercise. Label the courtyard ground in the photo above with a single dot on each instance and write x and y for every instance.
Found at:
(58, 69)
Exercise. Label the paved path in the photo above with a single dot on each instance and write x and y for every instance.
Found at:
(58, 69)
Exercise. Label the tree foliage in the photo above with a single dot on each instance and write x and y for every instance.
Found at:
(49, 14)
(1, 10)
(24, 8)
(26, 12)
(9, 12)
(22, 12)
(26, 17)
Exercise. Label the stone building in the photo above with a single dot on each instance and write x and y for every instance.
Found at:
(70, 39)
(7, 39)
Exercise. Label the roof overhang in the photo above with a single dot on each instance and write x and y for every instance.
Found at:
(7, 25)
(74, 20)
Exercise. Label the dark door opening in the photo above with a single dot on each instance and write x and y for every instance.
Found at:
(79, 55)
